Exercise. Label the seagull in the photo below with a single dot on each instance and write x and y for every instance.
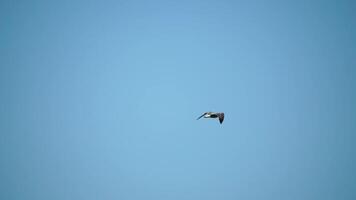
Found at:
(213, 115)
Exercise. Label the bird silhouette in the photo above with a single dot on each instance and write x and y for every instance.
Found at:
(219, 115)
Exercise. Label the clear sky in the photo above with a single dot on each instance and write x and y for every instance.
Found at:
(99, 100)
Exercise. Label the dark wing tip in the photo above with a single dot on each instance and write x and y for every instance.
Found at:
(221, 117)
(201, 116)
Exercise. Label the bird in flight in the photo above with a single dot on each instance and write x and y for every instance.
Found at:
(213, 115)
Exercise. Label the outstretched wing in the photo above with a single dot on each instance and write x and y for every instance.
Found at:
(221, 117)
(201, 116)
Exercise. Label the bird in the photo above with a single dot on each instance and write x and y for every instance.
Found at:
(219, 115)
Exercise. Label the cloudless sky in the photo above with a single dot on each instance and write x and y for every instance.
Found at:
(99, 100)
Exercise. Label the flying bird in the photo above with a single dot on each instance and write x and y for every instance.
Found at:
(213, 115)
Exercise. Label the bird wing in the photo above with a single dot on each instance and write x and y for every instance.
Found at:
(201, 116)
(221, 117)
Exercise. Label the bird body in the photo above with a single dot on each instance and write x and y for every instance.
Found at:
(213, 115)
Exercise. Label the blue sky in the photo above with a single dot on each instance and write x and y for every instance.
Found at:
(99, 100)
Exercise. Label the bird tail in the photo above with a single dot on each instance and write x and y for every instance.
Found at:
(221, 117)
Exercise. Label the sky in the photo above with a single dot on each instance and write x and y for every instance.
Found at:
(99, 100)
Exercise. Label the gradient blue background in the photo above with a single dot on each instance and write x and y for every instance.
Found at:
(99, 100)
